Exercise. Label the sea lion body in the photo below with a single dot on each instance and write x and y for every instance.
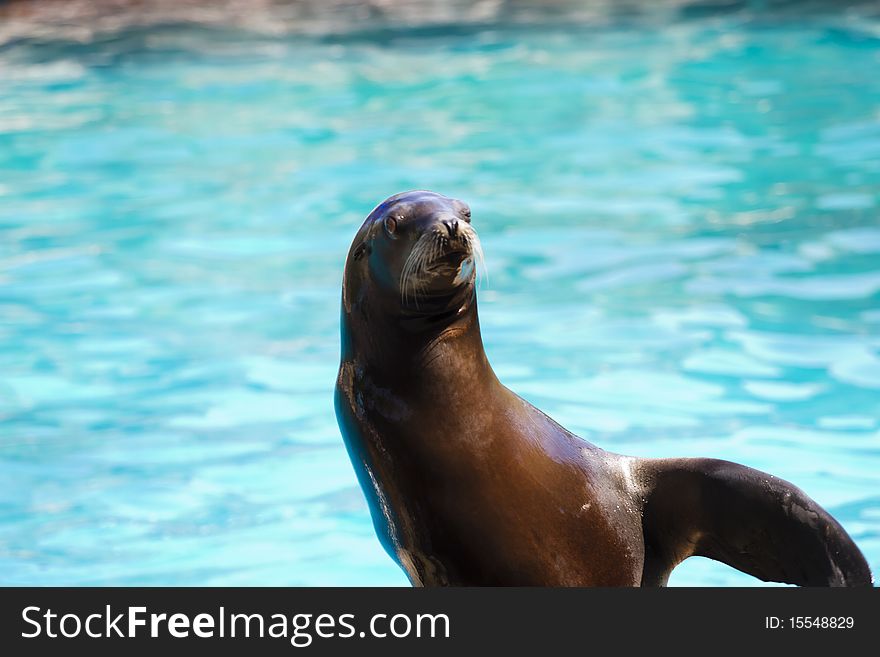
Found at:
(469, 484)
(491, 490)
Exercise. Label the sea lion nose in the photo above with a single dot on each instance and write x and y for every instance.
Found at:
(451, 226)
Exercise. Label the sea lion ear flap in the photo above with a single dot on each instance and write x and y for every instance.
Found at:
(361, 247)
(352, 278)
(360, 250)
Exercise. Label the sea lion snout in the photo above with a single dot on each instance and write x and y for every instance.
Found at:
(443, 223)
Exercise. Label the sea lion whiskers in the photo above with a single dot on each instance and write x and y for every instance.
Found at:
(472, 240)
(427, 250)
(412, 278)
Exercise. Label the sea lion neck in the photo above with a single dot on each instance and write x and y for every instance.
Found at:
(409, 347)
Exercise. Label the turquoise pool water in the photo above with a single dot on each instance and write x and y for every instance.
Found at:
(681, 230)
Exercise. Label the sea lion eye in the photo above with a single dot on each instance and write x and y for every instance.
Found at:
(390, 226)
(466, 213)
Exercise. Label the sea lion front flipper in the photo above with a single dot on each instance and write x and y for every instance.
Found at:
(750, 520)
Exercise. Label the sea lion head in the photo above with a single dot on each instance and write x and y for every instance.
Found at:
(418, 252)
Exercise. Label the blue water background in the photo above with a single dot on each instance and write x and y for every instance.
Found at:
(682, 238)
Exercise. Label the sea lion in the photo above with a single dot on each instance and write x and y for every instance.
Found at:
(468, 484)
